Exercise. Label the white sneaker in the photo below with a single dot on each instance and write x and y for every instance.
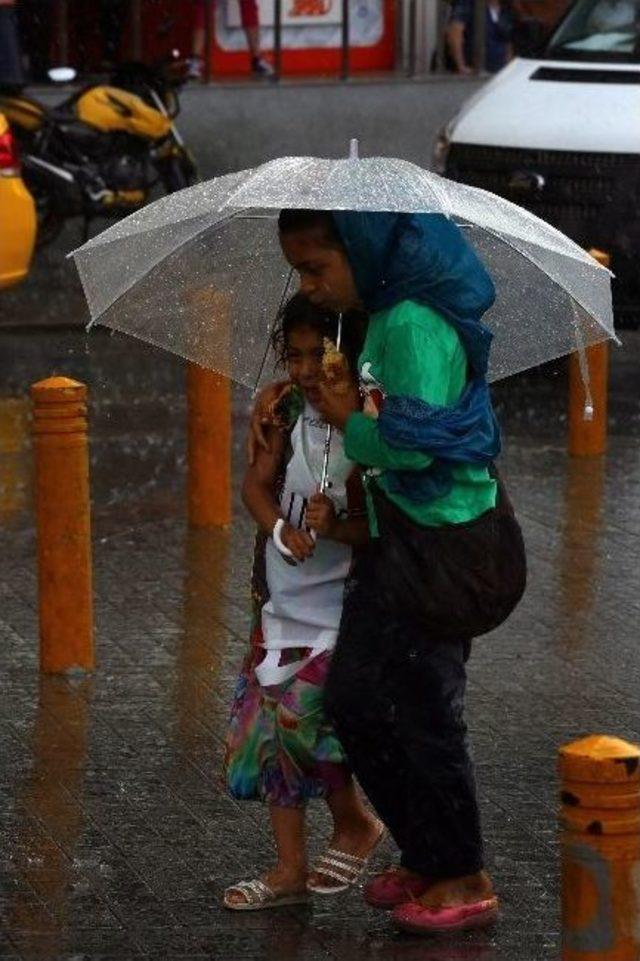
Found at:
(195, 68)
(261, 67)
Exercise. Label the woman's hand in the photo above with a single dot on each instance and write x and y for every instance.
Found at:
(336, 408)
(261, 417)
(300, 543)
(321, 515)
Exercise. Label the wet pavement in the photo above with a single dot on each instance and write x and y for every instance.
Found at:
(117, 838)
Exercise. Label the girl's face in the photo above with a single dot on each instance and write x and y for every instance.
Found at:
(304, 360)
(325, 274)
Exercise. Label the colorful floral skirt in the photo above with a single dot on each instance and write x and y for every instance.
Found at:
(280, 748)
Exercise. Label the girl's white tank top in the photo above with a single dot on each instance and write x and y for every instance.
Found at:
(305, 603)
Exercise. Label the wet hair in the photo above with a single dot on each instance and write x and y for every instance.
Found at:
(295, 221)
(300, 312)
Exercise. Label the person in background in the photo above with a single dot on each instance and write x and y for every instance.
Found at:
(533, 22)
(113, 14)
(613, 16)
(251, 26)
(35, 18)
(460, 37)
(11, 72)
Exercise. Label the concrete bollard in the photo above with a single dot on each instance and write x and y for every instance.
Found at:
(588, 437)
(600, 817)
(209, 448)
(63, 525)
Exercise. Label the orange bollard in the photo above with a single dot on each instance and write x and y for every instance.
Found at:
(63, 524)
(600, 817)
(209, 448)
(588, 437)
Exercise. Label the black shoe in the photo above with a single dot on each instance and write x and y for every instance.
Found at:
(261, 67)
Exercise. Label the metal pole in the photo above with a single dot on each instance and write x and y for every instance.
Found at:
(411, 59)
(327, 444)
(479, 34)
(441, 26)
(136, 29)
(399, 34)
(63, 32)
(345, 40)
(208, 40)
(277, 39)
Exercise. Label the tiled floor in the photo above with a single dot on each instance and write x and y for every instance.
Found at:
(117, 837)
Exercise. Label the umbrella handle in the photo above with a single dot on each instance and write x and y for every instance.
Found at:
(327, 444)
(325, 463)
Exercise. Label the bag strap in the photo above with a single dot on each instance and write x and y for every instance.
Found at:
(504, 504)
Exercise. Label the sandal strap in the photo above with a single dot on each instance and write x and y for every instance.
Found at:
(255, 891)
(338, 869)
(344, 867)
(336, 875)
(343, 856)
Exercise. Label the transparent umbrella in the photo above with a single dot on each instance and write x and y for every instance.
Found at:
(200, 272)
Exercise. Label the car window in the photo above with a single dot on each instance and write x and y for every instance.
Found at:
(599, 30)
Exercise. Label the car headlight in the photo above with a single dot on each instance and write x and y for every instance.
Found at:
(441, 147)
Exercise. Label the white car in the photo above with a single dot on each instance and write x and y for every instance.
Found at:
(560, 135)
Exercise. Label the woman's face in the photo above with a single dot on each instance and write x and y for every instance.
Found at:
(325, 274)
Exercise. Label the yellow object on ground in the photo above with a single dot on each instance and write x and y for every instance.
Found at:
(63, 523)
(600, 844)
(17, 214)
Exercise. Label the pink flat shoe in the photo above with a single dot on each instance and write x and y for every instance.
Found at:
(418, 919)
(389, 889)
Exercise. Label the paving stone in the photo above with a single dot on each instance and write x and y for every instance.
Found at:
(117, 838)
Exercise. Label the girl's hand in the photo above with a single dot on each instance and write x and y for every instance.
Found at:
(321, 515)
(300, 543)
(256, 437)
(261, 419)
(336, 408)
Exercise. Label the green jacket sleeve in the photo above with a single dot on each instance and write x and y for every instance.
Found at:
(417, 362)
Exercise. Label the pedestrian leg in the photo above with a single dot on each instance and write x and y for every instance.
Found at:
(443, 837)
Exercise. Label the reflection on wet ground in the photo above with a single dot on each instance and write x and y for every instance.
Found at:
(117, 837)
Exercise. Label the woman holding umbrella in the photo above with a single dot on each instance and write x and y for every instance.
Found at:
(446, 561)
(447, 564)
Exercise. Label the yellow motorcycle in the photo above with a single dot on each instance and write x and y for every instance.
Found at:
(102, 151)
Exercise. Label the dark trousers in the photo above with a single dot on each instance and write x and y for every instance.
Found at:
(113, 14)
(11, 73)
(36, 29)
(396, 699)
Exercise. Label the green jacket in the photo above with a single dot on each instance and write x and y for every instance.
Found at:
(410, 349)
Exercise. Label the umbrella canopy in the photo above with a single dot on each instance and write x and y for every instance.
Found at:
(200, 272)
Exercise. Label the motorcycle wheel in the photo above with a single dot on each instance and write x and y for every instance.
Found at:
(178, 171)
(49, 219)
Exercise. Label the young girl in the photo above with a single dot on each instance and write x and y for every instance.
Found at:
(280, 747)
(446, 560)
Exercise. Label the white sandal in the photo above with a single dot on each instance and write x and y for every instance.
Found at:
(348, 869)
(259, 896)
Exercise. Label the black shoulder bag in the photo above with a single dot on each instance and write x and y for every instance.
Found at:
(459, 580)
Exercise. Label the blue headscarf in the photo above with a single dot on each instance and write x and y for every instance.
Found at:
(425, 258)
